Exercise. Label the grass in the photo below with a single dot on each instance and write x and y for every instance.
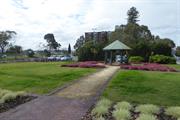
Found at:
(145, 87)
(38, 77)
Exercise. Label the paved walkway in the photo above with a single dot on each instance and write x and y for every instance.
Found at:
(70, 103)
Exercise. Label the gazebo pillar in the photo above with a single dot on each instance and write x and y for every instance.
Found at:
(111, 57)
(105, 59)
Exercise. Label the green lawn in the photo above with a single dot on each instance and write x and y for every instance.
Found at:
(158, 88)
(37, 77)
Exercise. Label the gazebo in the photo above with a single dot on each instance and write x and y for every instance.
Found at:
(117, 47)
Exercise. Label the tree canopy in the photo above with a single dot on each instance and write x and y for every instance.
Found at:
(52, 43)
(133, 15)
(5, 36)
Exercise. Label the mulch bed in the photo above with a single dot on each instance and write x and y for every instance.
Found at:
(134, 115)
(15, 102)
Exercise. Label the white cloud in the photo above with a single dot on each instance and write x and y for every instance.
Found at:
(68, 19)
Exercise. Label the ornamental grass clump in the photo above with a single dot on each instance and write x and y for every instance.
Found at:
(104, 102)
(6, 95)
(101, 108)
(121, 114)
(98, 118)
(123, 105)
(146, 117)
(147, 109)
(173, 111)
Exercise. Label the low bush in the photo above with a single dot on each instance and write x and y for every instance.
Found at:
(99, 118)
(162, 59)
(6, 95)
(173, 111)
(146, 117)
(136, 59)
(101, 108)
(123, 105)
(104, 102)
(147, 109)
(121, 114)
(99, 111)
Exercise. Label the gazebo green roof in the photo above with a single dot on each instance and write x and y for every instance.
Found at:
(117, 45)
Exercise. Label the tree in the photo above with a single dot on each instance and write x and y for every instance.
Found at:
(79, 42)
(52, 43)
(5, 36)
(133, 15)
(30, 53)
(178, 51)
(15, 49)
(69, 49)
(47, 53)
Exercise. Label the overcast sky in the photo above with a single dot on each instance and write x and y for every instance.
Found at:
(68, 19)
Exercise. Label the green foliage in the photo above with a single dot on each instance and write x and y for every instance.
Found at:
(5, 36)
(15, 49)
(121, 114)
(104, 102)
(90, 51)
(133, 15)
(146, 117)
(136, 59)
(30, 53)
(147, 109)
(99, 111)
(69, 49)
(6, 95)
(162, 47)
(123, 105)
(98, 118)
(142, 87)
(47, 53)
(101, 107)
(52, 43)
(178, 51)
(173, 111)
(162, 59)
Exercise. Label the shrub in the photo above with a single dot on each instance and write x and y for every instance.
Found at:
(101, 107)
(136, 59)
(121, 114)
(162, 59)
(98, 118)
(104, 102)
(146, 117)
(123, 105)
(147, 109)
(99, 111)
(173, 111)
(6, 95)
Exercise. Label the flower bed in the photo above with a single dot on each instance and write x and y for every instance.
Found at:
(149, 67)
(9, 99)
(87, 64)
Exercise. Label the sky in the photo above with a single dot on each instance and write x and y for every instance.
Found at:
(68, 19)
